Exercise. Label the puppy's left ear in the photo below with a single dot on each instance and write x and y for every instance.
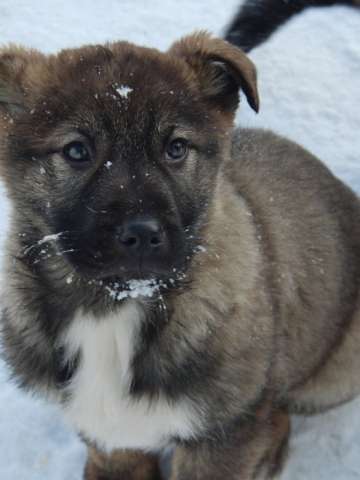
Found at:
(221, 69)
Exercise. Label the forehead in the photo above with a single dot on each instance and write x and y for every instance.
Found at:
(117, 83)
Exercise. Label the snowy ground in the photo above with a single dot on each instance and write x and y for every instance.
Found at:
(309, 83)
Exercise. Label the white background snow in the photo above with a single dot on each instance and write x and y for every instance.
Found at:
(309, 76)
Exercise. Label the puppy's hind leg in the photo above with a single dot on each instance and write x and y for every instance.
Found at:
(121, 465)
(337, 380)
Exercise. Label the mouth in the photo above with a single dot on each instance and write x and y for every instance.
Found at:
(150, 286)
(119, 271)
(108, 266)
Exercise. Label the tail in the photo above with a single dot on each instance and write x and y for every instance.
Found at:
(258, 19)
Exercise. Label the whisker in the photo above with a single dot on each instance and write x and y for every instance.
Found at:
(70, 250)
(57, 254)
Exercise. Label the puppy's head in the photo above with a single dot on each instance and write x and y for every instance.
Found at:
(113, 151)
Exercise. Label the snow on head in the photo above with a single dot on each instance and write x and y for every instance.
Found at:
(124, 91)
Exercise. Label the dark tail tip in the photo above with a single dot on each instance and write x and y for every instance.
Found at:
(258, 19)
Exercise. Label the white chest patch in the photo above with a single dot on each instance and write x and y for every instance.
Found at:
(100, 406)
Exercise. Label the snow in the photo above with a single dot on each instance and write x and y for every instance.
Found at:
(134, 289)
(46, 239)
(309, 75)
(124, 91)
(50, 238)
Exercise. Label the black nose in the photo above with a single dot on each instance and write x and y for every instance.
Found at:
(145, 235)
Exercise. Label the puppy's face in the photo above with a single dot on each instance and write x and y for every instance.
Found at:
(114, 151)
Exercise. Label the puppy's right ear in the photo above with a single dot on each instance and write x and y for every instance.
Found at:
(18, 69)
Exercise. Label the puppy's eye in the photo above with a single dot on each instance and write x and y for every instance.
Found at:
(177, 150)
(76, 153)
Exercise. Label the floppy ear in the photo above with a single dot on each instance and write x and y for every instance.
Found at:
(17, 68)
(221, 69)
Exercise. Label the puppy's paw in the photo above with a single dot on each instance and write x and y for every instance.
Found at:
(93, 474)
(267, 476)
(121, 466)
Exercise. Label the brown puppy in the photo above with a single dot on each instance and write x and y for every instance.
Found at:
(171, 281)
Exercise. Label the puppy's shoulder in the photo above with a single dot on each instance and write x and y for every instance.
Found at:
(261, 158)
(264, 148)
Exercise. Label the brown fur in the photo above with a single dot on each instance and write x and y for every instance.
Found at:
(255, 450)
(265, 320)
(125, 465)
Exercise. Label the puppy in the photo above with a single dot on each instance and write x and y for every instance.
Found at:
(257, 20)
(171, 280)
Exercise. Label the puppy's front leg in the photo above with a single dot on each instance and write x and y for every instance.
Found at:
(254, 450)
(121, 465)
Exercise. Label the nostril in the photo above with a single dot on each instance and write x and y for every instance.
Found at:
(156, 241)
(130, 241)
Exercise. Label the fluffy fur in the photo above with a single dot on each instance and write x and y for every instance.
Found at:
(99, 401)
